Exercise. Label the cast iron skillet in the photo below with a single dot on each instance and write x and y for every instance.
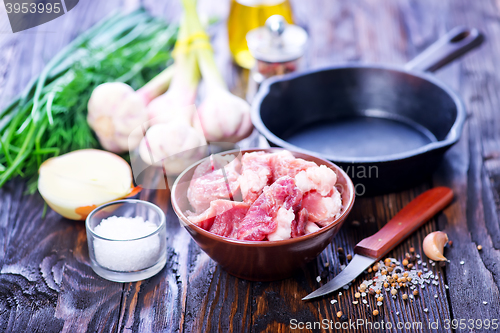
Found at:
(386, 126)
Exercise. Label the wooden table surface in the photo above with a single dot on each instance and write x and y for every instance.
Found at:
(47, 284)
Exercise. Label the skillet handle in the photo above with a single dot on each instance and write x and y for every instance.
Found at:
(454, 44)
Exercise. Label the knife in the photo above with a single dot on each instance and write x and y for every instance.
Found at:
(375, 247)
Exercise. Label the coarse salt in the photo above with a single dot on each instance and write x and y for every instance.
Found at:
(125, 252)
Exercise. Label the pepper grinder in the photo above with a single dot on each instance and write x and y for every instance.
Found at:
(277, 47)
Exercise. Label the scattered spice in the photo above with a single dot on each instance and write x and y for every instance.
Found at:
(344, 317)
(375, 312)
(339, 314)
(479, 247)
(426, 310)
(394, 291)
(412, 250)
(380, 299)
(357, 295)
(462, 262)
(340, 250)
(355, 223)
(405, 296)
(362, 287)
(349, 257)
(484, 302)
(355, 302)
(405, 262)
(415, 292)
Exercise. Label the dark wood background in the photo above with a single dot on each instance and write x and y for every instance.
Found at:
(47, 285)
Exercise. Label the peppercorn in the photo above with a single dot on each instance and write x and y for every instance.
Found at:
(387, 261)
(479, 247)
(380, 299)
(450, 243)
(400, 280)
(415, 292)
(340, 250)
(343, 317)
(403, 279)
(393, 265)
(383, 272)
(375, 312)
(419, 274)
(408, 279)
(407, 255)
(405, 296)
(357, 295)
(375, 267)
(349, 257)
(378, 291)
(394, 291)
(410, 266)
(339, 314)
(412, 250)
(362, 287)
(395, 276)
(390, 269)
(405, 274)
(405, 262)
(371, 292)
(370, 270)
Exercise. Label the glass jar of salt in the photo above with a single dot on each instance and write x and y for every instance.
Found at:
(277, 46)
(127, 240)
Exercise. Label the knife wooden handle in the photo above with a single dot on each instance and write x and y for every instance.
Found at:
(409, 219)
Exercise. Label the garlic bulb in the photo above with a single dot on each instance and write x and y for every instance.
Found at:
(224, 117)
(114, 111)
(174, 145)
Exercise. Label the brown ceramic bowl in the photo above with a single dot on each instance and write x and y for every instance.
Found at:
(263, 260)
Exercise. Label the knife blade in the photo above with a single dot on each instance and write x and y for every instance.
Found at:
(373, 248)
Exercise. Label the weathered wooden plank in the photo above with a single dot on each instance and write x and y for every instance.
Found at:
(46, 282)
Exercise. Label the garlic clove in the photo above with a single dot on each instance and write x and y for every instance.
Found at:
(433, 245)
(75, 183)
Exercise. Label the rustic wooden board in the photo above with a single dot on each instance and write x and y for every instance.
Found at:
(47, 285)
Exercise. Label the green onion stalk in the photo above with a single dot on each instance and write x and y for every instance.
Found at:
(223, 117)
(172, 142)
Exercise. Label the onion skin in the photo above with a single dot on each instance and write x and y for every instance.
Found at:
(433, 245)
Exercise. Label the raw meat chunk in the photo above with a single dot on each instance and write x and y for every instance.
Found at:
(320, 178)
(255, 174)
(227, 223)
(322, 210)
(300, 222)
(311, 227)
(218, 208)
(283, 220)
(285, 164)
(210, 183)
(260, 220)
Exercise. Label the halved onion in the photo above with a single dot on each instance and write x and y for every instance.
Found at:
(75, 183)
